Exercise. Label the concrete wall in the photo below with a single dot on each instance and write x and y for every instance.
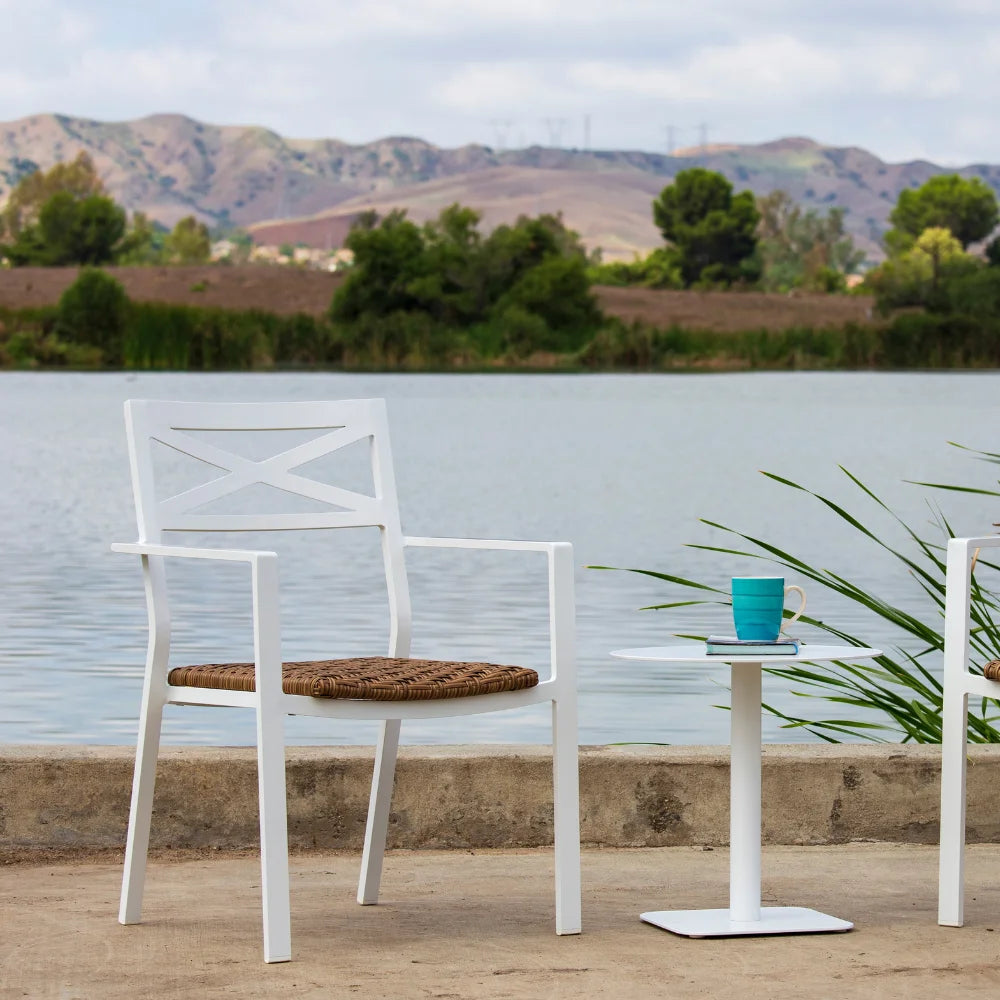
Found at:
(489, 796)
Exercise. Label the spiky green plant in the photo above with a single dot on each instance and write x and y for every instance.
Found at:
(898, 692)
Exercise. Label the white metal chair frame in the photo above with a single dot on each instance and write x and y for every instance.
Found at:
(342, 423)
(959, 683)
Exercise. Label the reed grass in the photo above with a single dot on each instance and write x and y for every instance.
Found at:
(179, 337)
(899, 695)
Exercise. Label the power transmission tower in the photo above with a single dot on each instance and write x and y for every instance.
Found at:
(555, 127)
(500, 127)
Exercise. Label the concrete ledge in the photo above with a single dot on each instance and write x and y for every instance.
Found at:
(489, 796)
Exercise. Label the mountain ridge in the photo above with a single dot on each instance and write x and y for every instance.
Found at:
(170, 165)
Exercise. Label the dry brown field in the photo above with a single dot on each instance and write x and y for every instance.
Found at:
(732, 311)
(277, 289)
(288, 290)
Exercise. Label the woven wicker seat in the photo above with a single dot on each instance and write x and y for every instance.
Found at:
(992, 670)
(377, 678)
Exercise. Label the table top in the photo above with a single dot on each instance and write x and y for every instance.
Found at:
(695, 653)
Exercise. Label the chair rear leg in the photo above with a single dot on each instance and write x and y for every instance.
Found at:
(951, 873)
(273, 833)
(378, 812)
(141, 811)
(566, 815)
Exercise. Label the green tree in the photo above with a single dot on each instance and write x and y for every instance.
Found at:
(388, 260)
(967, 207)
(557, 292)
(976, 294)
(712, 230)
(188, 242)
(70, 230)
(143, 241)
(452, 285)
(524, 287)
(800, 249)
(922, 275)
(658, 269)
(78, 178)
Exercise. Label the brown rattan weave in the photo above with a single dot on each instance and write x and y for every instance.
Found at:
(376, 678)
(992, 670)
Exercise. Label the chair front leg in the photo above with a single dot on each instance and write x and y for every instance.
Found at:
(273, 805)
(951, 872)
(154, 697)
(566, 814)
(273, 832)
(141, 811)
(378, 812)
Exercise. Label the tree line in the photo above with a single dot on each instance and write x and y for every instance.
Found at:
(95, 326)
(64, 216)
(444, 294)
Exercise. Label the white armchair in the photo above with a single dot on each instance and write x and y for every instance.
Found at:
(390, 689)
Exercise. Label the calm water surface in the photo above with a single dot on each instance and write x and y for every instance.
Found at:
(623, 466)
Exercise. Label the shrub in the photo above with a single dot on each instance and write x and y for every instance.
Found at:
(557, 293)
(917, 340)
(94, 311)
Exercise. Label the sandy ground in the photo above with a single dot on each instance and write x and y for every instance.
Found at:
(480, 924)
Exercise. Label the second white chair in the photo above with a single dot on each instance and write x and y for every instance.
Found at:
(965, 626)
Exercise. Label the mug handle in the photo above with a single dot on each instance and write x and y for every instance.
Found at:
(798, 612)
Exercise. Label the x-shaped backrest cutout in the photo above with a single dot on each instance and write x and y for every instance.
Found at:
(274, 471)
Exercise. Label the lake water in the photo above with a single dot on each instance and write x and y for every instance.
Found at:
(623, 466)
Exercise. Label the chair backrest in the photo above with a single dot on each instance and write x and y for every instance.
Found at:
(337, 424)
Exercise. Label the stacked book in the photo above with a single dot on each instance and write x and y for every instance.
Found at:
(724, 645)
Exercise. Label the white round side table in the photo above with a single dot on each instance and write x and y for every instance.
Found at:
(745, 915)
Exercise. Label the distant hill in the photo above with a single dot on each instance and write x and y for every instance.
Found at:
(308, 190)
(609, 209)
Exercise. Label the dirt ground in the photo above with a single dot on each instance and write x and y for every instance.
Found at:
(289, 290)
(465, 925)
(277, 289)
(732, 311)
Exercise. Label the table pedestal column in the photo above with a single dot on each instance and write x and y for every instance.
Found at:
(744, 794)
(745, 915)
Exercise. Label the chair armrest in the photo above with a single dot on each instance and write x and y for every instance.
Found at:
(562, 607)
(485, 543)
(958, 611)
(986, 541)
(191, 552)
(264, 588)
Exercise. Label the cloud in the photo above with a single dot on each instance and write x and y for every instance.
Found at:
(856, 72)
(313, 24)
(39, 35)
(751, 70)
(488, 87)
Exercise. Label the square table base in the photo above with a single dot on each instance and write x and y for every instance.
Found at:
(773, 920)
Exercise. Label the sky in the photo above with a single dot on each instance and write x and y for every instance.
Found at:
(919, 79)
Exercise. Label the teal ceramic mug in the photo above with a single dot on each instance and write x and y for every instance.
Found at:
(758, 606)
